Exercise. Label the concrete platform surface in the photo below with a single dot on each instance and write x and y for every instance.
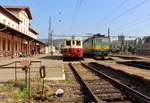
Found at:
(54, 67)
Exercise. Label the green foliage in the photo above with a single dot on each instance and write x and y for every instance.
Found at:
(21, 93)
(69, 80)
(129, 49)
(9, 85)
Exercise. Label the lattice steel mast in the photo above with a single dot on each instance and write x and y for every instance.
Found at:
(50, 39)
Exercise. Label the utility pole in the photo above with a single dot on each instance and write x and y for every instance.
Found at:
(108, 32)
(50, 40)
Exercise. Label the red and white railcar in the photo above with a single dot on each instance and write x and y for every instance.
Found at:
(72, 48)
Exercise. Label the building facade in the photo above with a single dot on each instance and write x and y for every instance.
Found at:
(123, 45)
(143, 46)
(17, 38)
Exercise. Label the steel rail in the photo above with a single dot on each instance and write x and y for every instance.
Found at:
(138, 65)
(86, 87)
(129, 91)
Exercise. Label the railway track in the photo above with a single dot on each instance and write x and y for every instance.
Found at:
(71, 88)
(100, 88)
(133, 81)
(127, 57)
(138, 64)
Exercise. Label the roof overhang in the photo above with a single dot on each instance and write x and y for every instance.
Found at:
(26, 8)
(18, 33)
(9, 14)
(33, 31)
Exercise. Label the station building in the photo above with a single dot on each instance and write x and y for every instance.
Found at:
(16, 36)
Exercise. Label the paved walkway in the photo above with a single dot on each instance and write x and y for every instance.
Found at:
(53, 64)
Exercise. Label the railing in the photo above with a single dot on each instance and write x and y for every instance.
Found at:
(16, 65)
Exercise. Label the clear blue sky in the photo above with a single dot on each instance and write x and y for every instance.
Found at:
(88, 16)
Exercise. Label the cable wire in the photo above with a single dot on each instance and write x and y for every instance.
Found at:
(126, 12)
(3, 28)
(76, 13)
(115, 10)
(147, 19)
(130, 23)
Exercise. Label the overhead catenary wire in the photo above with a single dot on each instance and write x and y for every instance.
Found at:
(114, 10)
(76, 13)
(133, 22)
(143, 21)
(124, 13)
(82, 36)
(118, 7)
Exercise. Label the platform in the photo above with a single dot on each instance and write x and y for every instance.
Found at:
(143, 73)
(54, 68)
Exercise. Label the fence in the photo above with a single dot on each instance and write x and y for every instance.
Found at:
(17, 68)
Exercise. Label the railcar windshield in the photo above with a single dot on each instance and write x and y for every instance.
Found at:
(73, 42)
(68, 43)
(78, 43)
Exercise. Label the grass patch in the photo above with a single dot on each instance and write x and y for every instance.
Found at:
(69, 80)
(21, 93)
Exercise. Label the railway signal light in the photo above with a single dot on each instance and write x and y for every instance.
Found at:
(42, 75)
(42, 72)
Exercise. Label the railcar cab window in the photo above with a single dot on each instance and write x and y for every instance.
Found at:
(73, 42)
(68, 42)
(78, 43)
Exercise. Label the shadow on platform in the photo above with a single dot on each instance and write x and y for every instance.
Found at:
(52, 57)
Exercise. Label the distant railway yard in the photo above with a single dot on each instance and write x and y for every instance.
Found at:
(119, 79)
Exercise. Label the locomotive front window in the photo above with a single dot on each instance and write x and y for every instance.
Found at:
(105, 40)
(68, 43)
(102, 40)
(98, 40)
(78, 43)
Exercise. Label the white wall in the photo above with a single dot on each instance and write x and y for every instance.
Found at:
(4, 19)
(32, 35)
(24, 25)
